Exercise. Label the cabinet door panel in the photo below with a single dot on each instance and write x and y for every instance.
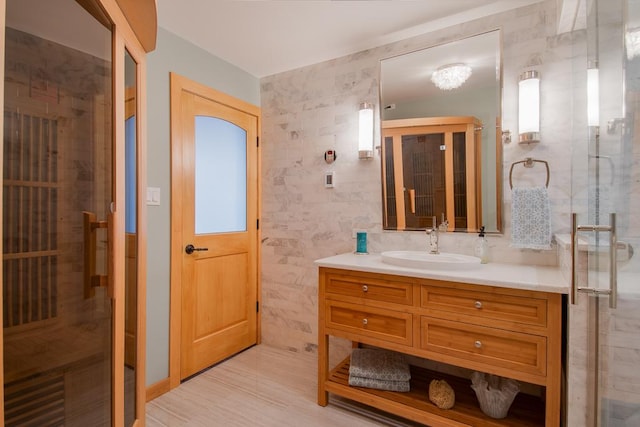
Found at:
(371, 289)
(371, 322)
(485, 307)
(513, 350)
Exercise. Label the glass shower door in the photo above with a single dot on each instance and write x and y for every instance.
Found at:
(607, 197)
(57, 191)
(619, 183)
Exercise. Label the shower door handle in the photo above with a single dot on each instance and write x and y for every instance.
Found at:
(412, 200)
(91, 279)
(613, 259)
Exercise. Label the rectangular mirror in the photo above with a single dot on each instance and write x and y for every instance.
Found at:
(441, 138)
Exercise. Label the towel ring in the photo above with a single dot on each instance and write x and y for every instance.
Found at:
(528, 163)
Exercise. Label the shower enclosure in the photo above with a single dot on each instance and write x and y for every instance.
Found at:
(604, 314)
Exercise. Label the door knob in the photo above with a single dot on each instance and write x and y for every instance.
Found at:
(189, 249)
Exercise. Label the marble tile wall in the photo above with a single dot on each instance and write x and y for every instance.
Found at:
(312, 109)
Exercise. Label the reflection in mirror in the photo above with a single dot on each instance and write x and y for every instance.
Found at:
(131, 241)
(468, 190)
(431, 164)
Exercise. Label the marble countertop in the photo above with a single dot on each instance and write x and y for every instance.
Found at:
(528, 277)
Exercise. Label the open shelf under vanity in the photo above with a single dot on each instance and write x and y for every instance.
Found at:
(526, 410)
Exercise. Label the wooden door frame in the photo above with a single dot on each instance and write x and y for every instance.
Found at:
(178, 84)
(3, 8)
(138, 55)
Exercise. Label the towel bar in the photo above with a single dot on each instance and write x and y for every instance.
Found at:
(528, 163)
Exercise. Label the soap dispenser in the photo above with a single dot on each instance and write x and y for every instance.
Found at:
(482, 247)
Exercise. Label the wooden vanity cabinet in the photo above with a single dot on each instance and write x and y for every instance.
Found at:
(508, 332)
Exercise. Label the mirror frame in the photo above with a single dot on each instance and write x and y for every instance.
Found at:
(499, 173)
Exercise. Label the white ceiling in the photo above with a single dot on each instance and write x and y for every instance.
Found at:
(266, 37)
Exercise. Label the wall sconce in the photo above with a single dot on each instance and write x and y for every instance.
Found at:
(529, 107)
(365, 127)
(593, 97)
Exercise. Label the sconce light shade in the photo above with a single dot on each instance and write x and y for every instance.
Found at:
(529, 107)
(593, 97)
(365, 127)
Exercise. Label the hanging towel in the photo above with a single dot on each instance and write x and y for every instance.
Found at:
(530, 218)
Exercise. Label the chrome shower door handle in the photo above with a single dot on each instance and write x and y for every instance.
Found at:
(574, 267)
(613, 259)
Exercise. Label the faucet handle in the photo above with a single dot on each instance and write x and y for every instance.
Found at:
(444, 223)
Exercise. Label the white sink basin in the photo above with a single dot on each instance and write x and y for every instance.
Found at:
(426, 260)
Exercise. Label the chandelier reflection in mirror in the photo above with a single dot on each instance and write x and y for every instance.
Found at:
(451, 76)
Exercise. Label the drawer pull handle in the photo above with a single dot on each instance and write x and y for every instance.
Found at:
(365, 321)
(478, 344)
(478, 304)
(365, 288)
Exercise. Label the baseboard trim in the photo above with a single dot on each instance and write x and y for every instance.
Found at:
(158, 389)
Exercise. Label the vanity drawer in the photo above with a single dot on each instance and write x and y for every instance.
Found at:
(488, 308)
(494, 347)
(370, 289)
(387, 325)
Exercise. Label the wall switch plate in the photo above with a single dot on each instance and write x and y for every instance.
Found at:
(153, 196)
(329, 179)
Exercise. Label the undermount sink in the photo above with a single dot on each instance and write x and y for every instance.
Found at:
(426, 260)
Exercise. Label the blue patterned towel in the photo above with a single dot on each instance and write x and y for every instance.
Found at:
(530, 218)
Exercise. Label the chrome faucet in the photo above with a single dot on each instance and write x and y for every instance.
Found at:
(433, 238)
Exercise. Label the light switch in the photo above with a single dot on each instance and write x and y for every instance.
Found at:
(329, 179)
(153, 196)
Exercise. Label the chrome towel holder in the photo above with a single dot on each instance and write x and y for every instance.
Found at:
(528, 163)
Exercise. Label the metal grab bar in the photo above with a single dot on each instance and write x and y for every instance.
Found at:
(613, 259)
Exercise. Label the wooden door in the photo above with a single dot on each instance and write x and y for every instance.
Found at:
(219, 214)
